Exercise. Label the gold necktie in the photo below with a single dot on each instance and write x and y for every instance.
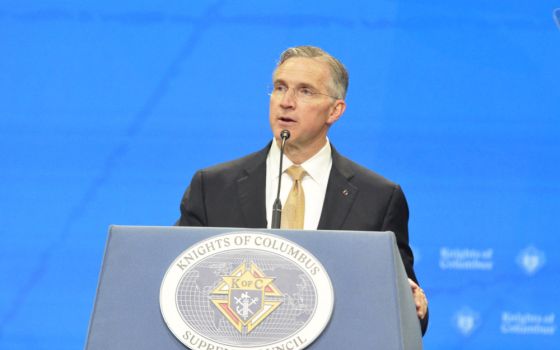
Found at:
(294, 208)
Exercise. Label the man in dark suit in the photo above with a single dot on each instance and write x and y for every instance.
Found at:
(309, 87)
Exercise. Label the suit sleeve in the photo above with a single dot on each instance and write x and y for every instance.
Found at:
(396, 220)
(193, 208)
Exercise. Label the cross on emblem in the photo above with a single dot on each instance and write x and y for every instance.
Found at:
(244, 303)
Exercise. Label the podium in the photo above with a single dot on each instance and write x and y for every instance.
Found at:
(373, 306)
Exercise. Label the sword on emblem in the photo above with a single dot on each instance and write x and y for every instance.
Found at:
(243, 305)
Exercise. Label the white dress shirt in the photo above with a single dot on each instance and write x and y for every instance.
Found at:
(314, 183)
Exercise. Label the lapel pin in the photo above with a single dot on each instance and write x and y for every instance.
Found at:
(345, 192)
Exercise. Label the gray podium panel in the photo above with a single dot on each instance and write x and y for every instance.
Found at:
(373, 306)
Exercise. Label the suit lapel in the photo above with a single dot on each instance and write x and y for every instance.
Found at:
(339, 198)
(340, 194)
(251, 191)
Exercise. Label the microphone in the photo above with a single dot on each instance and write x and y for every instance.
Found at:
(277, 207)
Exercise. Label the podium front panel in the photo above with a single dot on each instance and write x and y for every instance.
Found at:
(373, 306)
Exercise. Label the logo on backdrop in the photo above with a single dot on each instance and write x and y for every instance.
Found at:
(531, 260)
(466, 321)
(528, 323)
(466, 259)
(246, 290)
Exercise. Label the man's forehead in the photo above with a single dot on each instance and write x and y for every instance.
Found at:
(302, 70)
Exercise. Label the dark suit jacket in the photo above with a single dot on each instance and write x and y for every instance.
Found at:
(232, 194)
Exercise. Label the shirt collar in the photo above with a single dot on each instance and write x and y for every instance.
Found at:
(317, 167)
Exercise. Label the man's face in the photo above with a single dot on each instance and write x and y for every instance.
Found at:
(308, 119)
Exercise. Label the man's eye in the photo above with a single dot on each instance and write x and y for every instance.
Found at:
(306, 91)
(280, 88)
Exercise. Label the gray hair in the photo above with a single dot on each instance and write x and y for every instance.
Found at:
(339, 74)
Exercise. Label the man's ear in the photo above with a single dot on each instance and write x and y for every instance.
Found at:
(336, 112)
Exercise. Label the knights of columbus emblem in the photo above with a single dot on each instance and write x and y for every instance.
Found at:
(251, 297)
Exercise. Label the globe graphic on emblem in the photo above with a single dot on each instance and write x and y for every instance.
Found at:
(224, 317)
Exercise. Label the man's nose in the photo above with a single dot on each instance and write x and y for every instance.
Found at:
(288, 99)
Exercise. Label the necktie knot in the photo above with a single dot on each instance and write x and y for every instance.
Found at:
(296, 172)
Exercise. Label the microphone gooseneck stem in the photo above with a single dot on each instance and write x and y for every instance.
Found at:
(277, 207)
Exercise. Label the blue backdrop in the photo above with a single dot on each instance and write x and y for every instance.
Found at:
(108, 108)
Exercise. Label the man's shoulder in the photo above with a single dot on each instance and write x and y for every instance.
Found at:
(359, 174)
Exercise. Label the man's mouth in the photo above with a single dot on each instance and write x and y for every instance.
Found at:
(286, 120)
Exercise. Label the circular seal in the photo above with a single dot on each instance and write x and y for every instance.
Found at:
(246, 290)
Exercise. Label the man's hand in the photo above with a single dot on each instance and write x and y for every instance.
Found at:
(419, 299)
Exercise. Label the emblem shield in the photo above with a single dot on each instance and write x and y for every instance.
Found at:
(246, 303)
